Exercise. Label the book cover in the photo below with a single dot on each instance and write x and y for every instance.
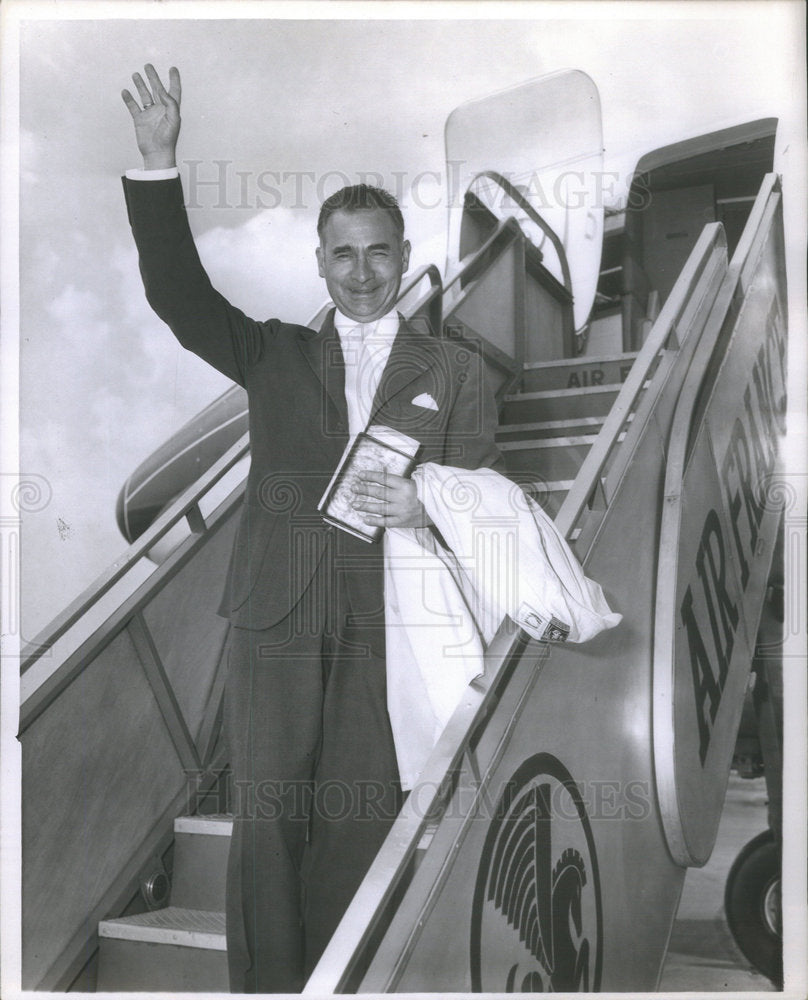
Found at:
(378, 447)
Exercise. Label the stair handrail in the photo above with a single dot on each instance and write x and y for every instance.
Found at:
(432, 298)
(430, 271)
(472, 262)
(517, 196)
(711, 238)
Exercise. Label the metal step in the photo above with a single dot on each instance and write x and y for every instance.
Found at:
(549, 428)
(201, 845)
(577, 373)
(558, 404)
(175, 925)
(552, 459)
(170, 950)
(215, 824)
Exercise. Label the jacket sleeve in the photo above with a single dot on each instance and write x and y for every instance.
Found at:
(177, 287)
(474, 419)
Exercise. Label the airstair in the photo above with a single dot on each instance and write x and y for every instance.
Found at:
(547, 842)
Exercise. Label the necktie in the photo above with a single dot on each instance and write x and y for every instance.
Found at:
(359, 388)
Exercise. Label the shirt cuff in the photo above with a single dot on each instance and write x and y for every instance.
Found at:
(165, 174)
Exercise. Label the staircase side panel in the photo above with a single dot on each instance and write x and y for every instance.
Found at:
(490, 306)
(106, 732)
(185, 628)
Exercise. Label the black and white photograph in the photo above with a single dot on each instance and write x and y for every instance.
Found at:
(403, 497)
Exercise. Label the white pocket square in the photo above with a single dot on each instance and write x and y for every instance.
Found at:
(426, 401)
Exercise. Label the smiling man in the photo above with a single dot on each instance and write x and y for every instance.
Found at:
(362, 253)
(314, 769)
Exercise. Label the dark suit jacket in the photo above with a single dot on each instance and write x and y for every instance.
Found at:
(294, 377)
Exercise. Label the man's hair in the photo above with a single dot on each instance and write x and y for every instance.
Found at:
(358, 197)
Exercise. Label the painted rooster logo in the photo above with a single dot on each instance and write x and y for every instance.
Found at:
(539, 879)
(541, 902)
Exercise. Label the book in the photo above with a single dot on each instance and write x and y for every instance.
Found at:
(378, 447)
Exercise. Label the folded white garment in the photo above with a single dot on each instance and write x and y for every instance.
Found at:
(503, 556)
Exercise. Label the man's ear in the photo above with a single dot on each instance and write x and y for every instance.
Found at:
(319, 254)
(405, 255)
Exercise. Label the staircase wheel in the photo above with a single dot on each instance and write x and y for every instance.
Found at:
(752, 905)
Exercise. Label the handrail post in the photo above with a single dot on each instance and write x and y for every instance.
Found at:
(196, 522)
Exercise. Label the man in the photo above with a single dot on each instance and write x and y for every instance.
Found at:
(310, 748)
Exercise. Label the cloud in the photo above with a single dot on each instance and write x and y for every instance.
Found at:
(267, 265)
(103, 383)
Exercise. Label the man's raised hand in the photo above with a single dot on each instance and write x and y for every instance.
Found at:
(157, 124)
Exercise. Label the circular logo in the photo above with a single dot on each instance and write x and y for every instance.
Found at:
(536, 923)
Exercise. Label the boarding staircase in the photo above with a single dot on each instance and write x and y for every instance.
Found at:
(138, 868)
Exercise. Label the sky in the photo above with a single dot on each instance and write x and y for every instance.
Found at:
(102, 382)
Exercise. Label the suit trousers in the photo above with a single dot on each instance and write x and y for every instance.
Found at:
(314, 780)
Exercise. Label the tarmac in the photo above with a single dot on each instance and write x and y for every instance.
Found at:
(702, 955)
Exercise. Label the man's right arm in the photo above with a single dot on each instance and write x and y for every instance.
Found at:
(177, 287)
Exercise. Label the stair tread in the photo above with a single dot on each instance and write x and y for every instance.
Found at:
(215, 824)
(583, 359)
(543, 443)
(551, 424)
(583, 422)
(584, 390)
(172, 925)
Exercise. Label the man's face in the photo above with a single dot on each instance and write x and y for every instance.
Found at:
(362, 258)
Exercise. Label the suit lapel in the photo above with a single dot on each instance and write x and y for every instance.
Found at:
(413, 353)
(323, 352)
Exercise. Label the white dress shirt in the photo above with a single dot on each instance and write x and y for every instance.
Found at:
(365, 348)
(163, 174)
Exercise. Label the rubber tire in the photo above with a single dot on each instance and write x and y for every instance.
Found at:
(752, 874)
